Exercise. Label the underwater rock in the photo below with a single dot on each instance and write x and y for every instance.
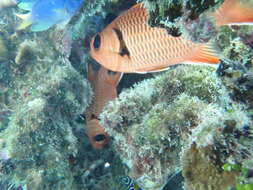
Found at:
(3, 50)
(238, 79)
(153, 125)
(39, 137)
(215, 142)
(150, 122)
(179, 17)
(43, 146)
(237, 72)
(200, 174)
(26, 53)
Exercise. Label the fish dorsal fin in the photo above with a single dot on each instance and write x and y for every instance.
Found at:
(110, 77)
(138, 5)
(205, 54)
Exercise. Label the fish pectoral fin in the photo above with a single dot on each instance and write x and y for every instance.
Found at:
(91, 74)
(206, 53)
(24, 25)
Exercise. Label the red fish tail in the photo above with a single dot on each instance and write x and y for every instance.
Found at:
(234, 12)
(205, 54)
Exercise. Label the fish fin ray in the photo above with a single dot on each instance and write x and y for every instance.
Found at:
(205, 54)
(233, 12)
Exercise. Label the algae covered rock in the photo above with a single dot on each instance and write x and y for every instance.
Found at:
(217, 141)
(156, 123)
(177, 16)
(152, 121)
(39, 137)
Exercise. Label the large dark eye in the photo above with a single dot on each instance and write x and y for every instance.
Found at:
(97, 41)
(100, 137)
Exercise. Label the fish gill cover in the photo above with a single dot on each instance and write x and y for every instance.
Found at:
(197, 119)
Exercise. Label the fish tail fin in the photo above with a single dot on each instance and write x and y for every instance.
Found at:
(26, 21)
(234, 12)
(111, 77)
(206, 53)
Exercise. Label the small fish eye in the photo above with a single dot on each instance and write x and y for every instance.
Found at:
(99, 137)
(97, 41)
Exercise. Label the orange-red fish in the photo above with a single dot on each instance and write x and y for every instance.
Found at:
(104, 85)
(129, 45)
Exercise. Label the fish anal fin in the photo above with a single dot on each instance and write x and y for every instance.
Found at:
(234, 12)
(205, 54)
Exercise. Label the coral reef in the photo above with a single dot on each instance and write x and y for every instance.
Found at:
(151, 122)
(237, 73)
(192, 118)
(180, 118)
(42, 142)
(217, 140)
(182, 17)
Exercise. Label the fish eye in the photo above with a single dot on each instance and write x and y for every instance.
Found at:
(99, 137)
(97, 41)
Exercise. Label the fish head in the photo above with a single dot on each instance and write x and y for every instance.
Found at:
(96, 133)
(105, 47)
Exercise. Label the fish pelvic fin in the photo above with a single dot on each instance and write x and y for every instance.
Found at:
(206, 53)
(233, 12)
